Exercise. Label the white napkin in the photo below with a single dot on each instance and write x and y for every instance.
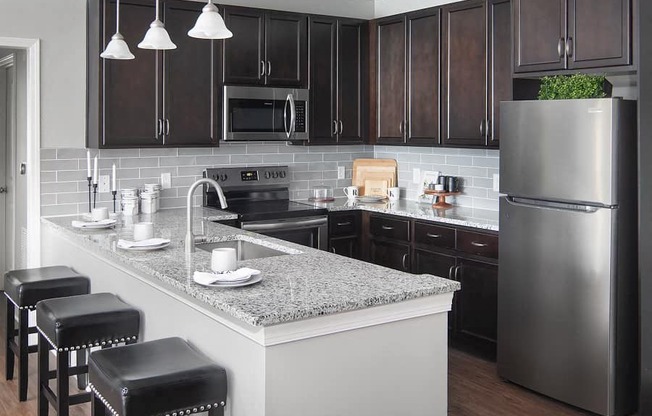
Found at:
(143, 243)
(93, 224)
(208, 278)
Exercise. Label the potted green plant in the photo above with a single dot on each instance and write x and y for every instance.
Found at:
(569, 87)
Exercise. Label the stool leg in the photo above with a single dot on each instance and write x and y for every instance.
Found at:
(97, 407)
(23, 347)
(43, 370)
(82, 379)
(11, 327)
(63, 391)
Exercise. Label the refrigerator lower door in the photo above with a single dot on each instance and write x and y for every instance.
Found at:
(555, 307)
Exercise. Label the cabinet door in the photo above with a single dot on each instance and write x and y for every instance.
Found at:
(243, 53)
(599, 33)
(388, 254)
(539, 35)
(347, 247)
(129, 89)
(423, 77)
(476, 313)
(465, 74)
(500, 64)
(323, 50)
(286, 49)
(439, 265)
(350, 81)
(190, 89)
(391, 80)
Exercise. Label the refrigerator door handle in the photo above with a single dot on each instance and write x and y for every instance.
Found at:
(529, 203)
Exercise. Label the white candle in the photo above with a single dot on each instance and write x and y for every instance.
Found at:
(113, 186)
(95, 175)
(88, 163)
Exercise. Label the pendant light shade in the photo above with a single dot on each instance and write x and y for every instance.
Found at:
(117, 47)
(157, 37)
(210, 24)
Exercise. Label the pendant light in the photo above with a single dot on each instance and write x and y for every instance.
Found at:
(210, 24)
(157, 37)
(117, 47)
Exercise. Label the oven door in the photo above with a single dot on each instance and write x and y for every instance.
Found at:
(307, 231)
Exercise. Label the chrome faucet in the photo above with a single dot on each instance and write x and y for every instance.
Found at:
(190, 237)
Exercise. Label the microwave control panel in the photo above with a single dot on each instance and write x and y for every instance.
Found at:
(300, 125)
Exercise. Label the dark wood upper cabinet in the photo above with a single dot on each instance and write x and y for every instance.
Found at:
(337, 71)
(391, 80)
(500, 65)
(571, 34)
(267, 48)
(465, 74)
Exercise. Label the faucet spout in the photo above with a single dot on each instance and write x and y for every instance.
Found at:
(190, 237)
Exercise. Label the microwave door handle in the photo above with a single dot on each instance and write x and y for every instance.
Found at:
(285, 117)
(293, 115)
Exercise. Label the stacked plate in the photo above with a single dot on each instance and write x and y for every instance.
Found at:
(236, 278)
(144, 245)
(94, 225)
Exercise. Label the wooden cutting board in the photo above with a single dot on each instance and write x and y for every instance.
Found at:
(376, 170)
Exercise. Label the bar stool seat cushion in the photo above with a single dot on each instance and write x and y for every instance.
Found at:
(156, 377)
(28, 286)
(83, 321)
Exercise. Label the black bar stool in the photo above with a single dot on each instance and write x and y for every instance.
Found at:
(72, 324)
(23, 289)
(162, 377)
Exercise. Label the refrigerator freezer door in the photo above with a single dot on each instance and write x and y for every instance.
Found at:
(555, 334)
(561, 150)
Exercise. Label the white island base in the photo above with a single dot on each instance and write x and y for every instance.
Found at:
(388, 360)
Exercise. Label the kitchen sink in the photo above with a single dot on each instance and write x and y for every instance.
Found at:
(245, 250)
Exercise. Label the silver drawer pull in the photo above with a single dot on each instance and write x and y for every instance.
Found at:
(433, 235)
(476, 244)
(386, 227)
(344, 224)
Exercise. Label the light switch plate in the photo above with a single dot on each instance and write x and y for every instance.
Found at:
(166, 180)
(340, 172)
(496, 182)
(416, 175)
(104, 184)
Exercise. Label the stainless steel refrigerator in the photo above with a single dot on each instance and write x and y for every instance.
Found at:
(567, 285)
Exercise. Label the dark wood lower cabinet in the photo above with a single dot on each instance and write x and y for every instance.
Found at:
(392, 255)
(345, 246)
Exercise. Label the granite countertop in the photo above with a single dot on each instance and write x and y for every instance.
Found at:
(303, 284)
(468, 217)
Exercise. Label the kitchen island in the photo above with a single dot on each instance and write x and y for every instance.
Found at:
(320, 335)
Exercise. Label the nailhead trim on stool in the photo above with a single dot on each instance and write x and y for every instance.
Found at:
(89, 344)
(30, 307)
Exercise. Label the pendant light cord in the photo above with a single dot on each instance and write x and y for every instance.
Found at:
(117, 16)
(158, 16)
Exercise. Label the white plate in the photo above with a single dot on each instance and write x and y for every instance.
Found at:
(371, 198)
(89, 218)
(94, 226)
(255, 278)
(145, 248)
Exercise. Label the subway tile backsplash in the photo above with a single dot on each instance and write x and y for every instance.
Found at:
(64, 188)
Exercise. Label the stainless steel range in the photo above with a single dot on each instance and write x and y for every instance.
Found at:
(261, 198)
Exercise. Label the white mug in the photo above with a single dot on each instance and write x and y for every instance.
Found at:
(393, 193)
(99, 214)
(351, 192)
(223, 259)
(143, 231)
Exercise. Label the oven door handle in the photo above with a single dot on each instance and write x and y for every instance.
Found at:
(315, 222)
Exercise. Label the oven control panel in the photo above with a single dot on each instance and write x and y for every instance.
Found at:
(250, 176)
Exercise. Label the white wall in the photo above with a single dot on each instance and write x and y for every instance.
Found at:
(61, 26)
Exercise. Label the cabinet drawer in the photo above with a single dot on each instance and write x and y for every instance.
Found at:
(479, 244)
(434, 235)
(390, 228)
(343, 224)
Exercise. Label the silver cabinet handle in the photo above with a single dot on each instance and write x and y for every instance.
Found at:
(433, 235)
(405, 256)
(344, 224)
(333, 250)
(386, 227)
(341, 127)
(167, 126)
(159, 130)
(477, 244)
(269, 68)
(569, 47)
(3, 190)
(262, 68)
(457, 270)
(334, 127)
(450, 272)
(560, 47)
(400, 127)
(481, 127)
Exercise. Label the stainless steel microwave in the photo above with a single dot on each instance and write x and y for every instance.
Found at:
(260, 113)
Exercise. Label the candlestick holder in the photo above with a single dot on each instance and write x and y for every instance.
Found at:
(114, 193)
(90, 179)
(94, 195)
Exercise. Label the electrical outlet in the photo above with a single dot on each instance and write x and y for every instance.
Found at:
(104, 184)
(166, 180)
(496, 182)
(340, 172)
(416, 175)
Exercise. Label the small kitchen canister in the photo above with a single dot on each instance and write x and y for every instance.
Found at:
(129, 206)
(149, 202)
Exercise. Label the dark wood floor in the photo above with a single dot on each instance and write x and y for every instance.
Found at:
(474, 389)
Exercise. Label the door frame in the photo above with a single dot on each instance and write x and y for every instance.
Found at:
(9, 63)
(33, 131)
